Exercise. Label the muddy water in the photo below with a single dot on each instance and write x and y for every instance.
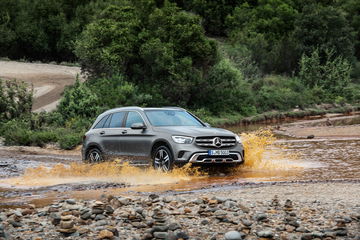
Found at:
(268, 160)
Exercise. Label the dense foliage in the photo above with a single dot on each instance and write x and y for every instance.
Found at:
(235, 57)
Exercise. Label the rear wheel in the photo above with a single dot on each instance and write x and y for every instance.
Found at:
(163, 159)
(94, 155)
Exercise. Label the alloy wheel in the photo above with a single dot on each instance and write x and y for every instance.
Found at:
(162, 160)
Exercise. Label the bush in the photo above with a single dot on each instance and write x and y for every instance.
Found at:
(116, 92)
(78, 101)
(40, 138)
(280, 93)
(16, 132)
(225, 91)
(15, 99)
(69, 141)
(329, 72)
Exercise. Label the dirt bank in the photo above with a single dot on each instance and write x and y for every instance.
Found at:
(48, 80)
(331, 126)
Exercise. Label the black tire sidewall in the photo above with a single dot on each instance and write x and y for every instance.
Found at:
(169, 153)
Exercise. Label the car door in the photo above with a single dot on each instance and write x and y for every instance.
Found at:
(112, 133)
(137, 142)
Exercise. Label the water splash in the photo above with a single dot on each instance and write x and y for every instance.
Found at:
(262, 152)
(102, 172)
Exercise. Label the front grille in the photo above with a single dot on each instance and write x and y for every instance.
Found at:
(214, 141)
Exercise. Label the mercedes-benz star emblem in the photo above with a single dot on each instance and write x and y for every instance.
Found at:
(217, 142)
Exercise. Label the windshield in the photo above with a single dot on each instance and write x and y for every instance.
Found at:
(160, 118)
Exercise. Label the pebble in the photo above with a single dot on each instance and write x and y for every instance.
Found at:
(71, 201)
(265, 234)
(233, 235)
(105, 234)
(155, 217)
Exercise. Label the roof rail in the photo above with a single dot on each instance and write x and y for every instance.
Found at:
(172, 107)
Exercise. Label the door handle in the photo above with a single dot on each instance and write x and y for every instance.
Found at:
(124, 132)
(102, 132)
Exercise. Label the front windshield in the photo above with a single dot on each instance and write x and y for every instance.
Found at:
(160, 118)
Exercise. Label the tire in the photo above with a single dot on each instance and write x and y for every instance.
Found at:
(94, 155)
(163, 159)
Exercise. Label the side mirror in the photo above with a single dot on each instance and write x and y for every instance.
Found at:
(207, 125)
(138, 126)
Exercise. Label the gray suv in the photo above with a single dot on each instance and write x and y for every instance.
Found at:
(164, 137)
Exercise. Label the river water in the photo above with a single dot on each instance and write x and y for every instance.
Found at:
(267, 160)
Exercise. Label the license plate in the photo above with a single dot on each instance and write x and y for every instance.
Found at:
(218, 152)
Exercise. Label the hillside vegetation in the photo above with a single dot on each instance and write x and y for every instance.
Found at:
(217, 58)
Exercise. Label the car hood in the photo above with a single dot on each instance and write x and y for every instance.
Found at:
(194, 131)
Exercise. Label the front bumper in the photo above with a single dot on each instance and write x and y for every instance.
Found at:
(204, 157)
(191, 153)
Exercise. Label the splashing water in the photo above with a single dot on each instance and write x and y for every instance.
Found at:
(260, 154)
(102, 172)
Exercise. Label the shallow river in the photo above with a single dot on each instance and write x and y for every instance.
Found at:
(271, 160)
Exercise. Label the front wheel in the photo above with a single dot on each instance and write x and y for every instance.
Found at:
(163, 159)
(94, 156)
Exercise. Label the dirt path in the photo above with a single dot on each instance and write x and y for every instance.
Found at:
(48, 80)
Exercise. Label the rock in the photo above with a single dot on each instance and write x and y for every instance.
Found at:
(310, 136)
(160, 235)
(265, 234)
(105, 234)
(181, 235)
(67, 231)
(109, 209)
(66, 224)
(86, 215)
(204, 222)
(153, 196)
(99, 217)
(71, 201)
(229, 204)
(159, 228)
(288, 206)
(233, 235)
(301, 229)
(174, 226)
(260, 217)
(220, 199)
(246, 222)
(101, 223)
(15, 223)
(307, 236)
(55, 218)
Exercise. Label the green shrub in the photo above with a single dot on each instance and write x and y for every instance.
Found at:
(40, 138)
(16, 132)
(15, 99)
(69, 141)
(329, 72)
(78, 101)
(225, 91)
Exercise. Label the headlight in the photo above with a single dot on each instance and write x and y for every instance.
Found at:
(182, 139)
(238, 139)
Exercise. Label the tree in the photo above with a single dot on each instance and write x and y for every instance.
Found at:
(324, 27)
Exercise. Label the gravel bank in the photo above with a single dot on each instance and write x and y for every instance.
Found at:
(296, 211)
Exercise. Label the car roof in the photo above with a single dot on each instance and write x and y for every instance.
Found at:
(141, 109)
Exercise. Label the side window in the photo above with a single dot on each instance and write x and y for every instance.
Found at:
(117, 120)
(133, 117)
(100, 124)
